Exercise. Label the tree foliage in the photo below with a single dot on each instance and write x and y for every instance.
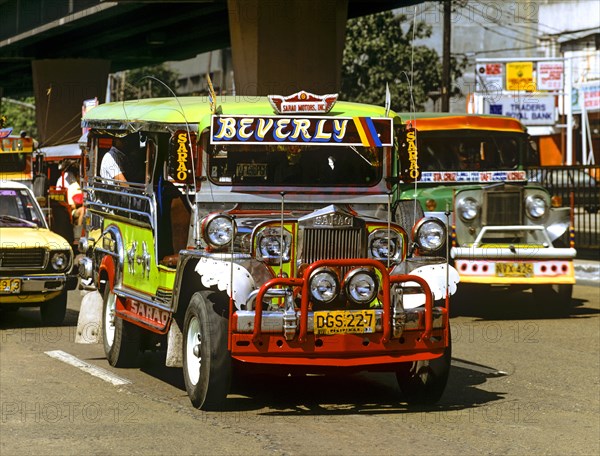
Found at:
(378, 51)
(144, 82)
(20, 115)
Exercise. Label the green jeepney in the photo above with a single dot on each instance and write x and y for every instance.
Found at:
(469, 172)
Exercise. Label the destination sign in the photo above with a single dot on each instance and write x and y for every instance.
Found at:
(355, 131)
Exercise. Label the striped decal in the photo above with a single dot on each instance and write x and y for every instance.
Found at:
(361, 131)
(367, 132)
(373, 131)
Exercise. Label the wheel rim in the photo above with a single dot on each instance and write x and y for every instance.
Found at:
(109, 319)
(193, 355)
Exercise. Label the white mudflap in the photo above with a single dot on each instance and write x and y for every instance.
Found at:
(89, 323)
(174, 346)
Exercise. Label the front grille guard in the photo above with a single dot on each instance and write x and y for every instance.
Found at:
(386, 284)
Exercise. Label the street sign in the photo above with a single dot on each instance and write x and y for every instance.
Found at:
(531, 110)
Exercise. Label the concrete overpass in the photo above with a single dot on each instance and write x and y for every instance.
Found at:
(62, 50)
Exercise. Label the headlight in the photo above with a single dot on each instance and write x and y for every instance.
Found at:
(324, 285)
(467, 208)
(59, 261)
(536, 206)
(268, 245)
(218, 230)
(429, 234)
(361, 285)
(83, 245)
(382, 248)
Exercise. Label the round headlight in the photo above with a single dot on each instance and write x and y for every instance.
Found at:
(324, 285)
(430, 234)
(361, 285)
(59, 261)
(536, 206)
(270, 246)
(468, 209)
(219, 230)
(83, 245)
(382, 248)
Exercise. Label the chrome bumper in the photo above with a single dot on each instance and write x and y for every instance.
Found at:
(516, 253)
(45, 283)
(273, 321)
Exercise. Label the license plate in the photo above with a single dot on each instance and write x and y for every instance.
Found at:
(10, 286)
(514, 269)
(344, 322)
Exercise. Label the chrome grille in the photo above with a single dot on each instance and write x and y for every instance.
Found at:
(503, 208)
(332, 243)
(22, 258)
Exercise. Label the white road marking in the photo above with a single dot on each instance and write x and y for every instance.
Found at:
(89, 368)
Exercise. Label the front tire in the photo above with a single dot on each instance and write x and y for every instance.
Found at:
(206, 360)
(53, 311)
(424, 382)
(121, 339)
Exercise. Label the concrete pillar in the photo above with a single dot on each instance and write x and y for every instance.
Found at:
(60, 87)
(283, 46)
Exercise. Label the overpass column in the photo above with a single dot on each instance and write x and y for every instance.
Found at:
(60, 86)
(283, 46)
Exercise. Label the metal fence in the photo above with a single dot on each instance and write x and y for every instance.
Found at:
(578, 187)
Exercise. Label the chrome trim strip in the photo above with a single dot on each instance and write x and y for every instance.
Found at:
(127, 294)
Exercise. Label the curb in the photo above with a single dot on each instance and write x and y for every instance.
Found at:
(587, 272)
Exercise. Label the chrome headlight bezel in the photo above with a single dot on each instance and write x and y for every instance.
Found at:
(324, 285)
(60, 260)
(268, 245)
(354, 285)
(468, 209)
(219, 230)
(536, 206)
(379, 243)
(430, 234)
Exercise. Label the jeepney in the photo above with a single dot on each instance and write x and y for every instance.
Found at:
(263, 236)
(504, 231)
(16, 158)
(56, 171)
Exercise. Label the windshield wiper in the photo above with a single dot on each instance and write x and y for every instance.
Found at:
(360, 155)
(17, 219)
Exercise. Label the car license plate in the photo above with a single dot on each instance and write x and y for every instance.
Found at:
(344, 322)
(514, 269)
(10, 286)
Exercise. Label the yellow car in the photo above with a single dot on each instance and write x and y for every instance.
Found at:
(36, 265)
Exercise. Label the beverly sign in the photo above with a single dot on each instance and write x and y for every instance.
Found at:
(352, 131)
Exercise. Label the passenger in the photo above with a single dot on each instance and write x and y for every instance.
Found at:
(68, 176)
(120, 159)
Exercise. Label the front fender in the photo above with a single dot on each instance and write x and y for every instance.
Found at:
(559, 221)
(227, 276)
(440, 277)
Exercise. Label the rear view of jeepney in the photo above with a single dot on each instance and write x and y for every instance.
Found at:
(294, 260)
(504, 231)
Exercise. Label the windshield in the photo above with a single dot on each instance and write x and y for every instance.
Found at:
(294, 165)
(17, 209)
(14, 162)
(469, 150)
